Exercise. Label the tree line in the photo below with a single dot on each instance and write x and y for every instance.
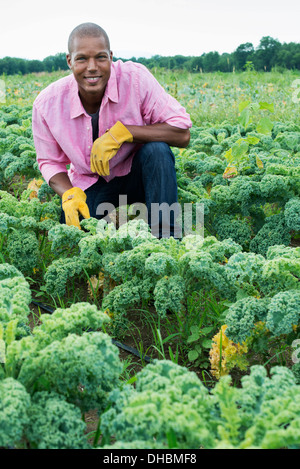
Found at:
(269, 54)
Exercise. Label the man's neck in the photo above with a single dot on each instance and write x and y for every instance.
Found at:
(93, 113)
(91, 105)
(92, 108)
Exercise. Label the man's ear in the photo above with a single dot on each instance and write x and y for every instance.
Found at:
(69, 62)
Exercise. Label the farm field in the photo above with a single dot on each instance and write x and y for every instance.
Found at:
(119, 340)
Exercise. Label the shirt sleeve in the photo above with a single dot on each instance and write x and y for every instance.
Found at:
(158, 106)
(50, 157)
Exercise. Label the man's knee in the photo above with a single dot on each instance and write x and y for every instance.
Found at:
(157, 153)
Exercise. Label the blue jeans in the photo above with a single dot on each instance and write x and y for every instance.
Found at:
(151, 181)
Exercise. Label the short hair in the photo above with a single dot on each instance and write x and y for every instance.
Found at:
(87, 30)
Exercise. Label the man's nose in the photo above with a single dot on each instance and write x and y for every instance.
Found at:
(92, 65)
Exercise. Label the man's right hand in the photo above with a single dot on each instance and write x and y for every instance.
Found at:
(105, 147)
(73, 204)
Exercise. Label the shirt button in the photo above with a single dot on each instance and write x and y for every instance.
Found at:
(88, 128)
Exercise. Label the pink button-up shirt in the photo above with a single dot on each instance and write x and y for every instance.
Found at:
(62, 129)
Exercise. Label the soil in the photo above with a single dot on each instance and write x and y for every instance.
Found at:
(295, 243)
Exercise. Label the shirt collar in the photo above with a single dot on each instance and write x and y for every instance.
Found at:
(111, 93)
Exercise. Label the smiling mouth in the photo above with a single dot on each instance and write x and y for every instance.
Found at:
(92, 79)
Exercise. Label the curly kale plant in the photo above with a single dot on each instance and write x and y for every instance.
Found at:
(270, 292)
(168, 401)
(77, 319)
(264, 413)
(281, 271)
(54, 423)
(292, 214)
(23, 229)
(23, 250)
(64, 237)
(81, 368)
(268, 179)
(65, 329)
(279, 313)
(260, 276)
(43, 421)
(25, 207)
(275, 231)
(52, 374)
(229, 226)
(14, 405)
(17, 151)
(15, 296)
(171, 408)
(166, 271)
(83, 253)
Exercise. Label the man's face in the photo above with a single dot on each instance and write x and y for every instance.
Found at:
(90, 62)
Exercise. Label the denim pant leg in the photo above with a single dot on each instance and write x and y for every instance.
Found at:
(154, 165)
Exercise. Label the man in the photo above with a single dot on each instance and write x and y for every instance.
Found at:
(112, 124)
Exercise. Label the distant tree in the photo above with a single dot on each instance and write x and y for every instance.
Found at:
(296, 60)
(266, 53)
(13, 65)
(243, 54)
(179, 61)
(35, 66)
(211, 61)
(289, 56)
(60, 61)
(284, 58)
(225, 63)
(194, 64)
(55, 62)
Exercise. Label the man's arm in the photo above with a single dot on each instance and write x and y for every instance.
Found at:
(60, 183)
(161, 132)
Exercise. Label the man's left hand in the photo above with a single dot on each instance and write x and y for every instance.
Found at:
(106, 146)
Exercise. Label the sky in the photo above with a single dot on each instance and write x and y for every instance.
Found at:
(34, 29)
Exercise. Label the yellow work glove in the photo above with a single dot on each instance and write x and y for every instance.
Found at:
(73, 204)
(106, 146)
